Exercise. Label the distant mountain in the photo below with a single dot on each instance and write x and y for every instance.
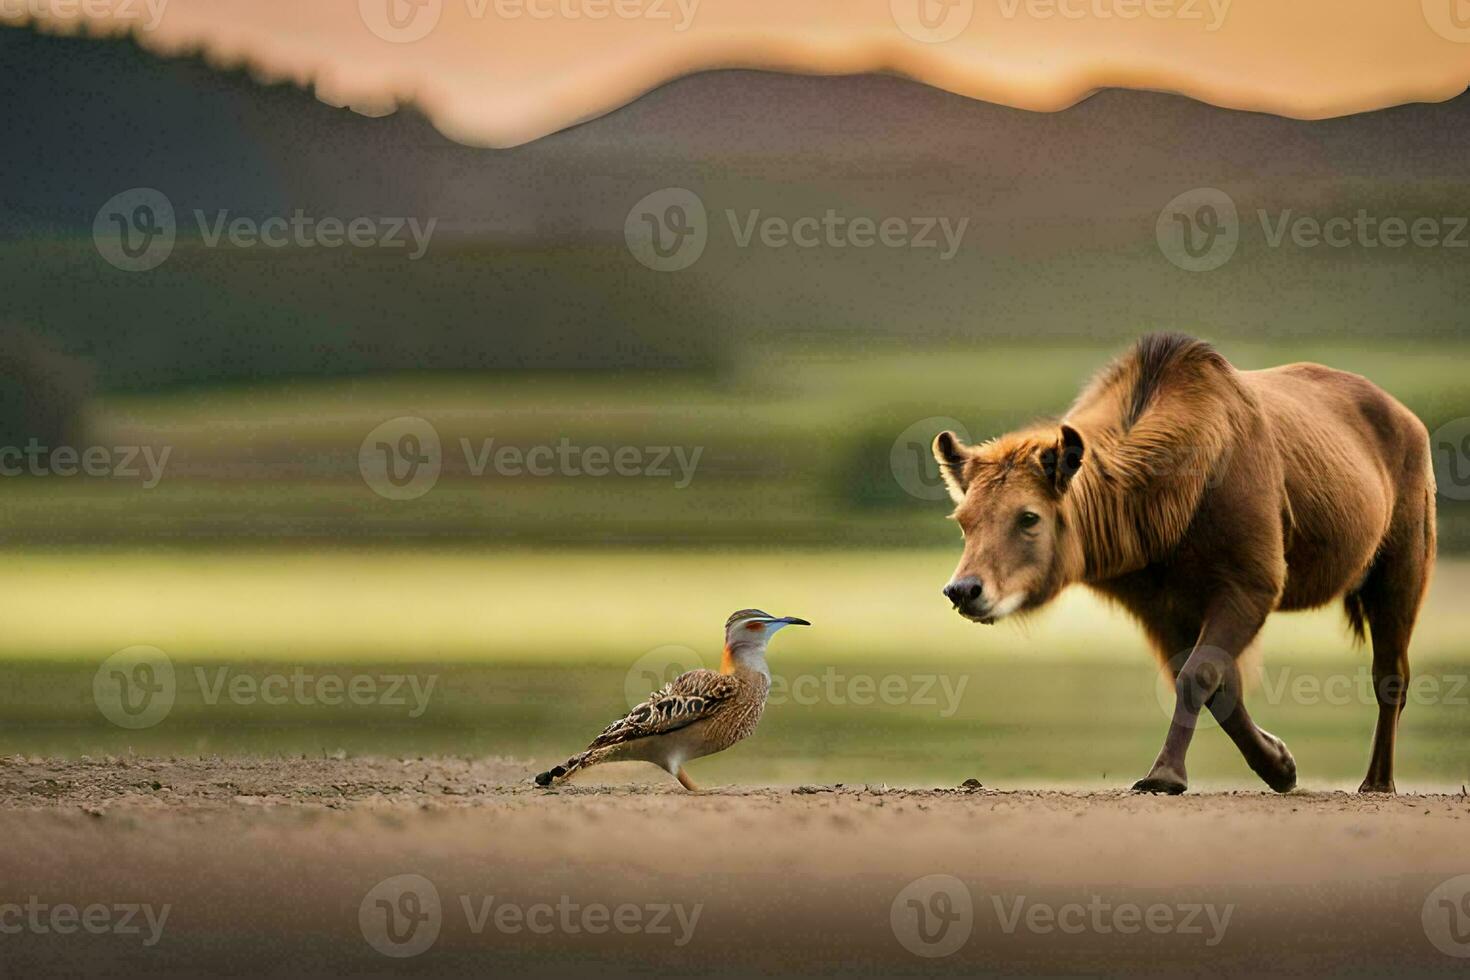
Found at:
(83, 118)
(528, 267)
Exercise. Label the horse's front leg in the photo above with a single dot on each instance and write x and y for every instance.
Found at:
(1211, 678)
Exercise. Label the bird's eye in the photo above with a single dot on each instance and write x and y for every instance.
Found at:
(1029, 518)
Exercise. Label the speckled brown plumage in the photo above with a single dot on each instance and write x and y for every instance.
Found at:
(699, 713)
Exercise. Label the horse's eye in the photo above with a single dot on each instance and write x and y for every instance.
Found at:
(1029, 518)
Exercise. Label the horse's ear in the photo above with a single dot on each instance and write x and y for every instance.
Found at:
(951, 454)
(1061, 462)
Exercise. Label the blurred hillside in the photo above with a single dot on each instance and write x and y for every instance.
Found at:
(791, 447)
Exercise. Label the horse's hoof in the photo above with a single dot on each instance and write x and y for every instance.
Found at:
(1160, 784)
(1374, 786)
(1280, 775)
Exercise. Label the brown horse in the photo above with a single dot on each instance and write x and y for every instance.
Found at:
(1201, 499)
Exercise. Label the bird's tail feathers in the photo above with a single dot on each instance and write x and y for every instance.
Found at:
(565, 769)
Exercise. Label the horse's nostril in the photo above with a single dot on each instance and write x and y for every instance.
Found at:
(965, 590)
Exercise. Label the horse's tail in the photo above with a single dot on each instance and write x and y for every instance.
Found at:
(1431, 531)
(1357, 616)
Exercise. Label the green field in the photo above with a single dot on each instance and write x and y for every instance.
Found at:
(888, 686)
(795, 448)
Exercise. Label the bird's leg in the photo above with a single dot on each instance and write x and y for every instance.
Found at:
(685, 781)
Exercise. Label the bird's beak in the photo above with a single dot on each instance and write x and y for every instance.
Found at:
(792, 621)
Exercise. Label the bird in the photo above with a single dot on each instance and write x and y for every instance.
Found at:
(699, 713)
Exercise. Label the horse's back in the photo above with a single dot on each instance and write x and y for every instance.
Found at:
(1349, 452)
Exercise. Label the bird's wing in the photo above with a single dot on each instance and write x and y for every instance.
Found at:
(685, 700)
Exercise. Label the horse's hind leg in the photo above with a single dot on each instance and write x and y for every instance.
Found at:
(1390, 679)
(1389, 599)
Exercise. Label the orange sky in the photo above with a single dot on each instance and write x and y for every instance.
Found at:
(503, 72)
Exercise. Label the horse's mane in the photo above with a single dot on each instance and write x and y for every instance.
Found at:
(1159, 424)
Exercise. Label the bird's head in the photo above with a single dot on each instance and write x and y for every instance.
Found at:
(754, 626)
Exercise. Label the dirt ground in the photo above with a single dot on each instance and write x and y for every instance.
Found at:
(442, 866)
